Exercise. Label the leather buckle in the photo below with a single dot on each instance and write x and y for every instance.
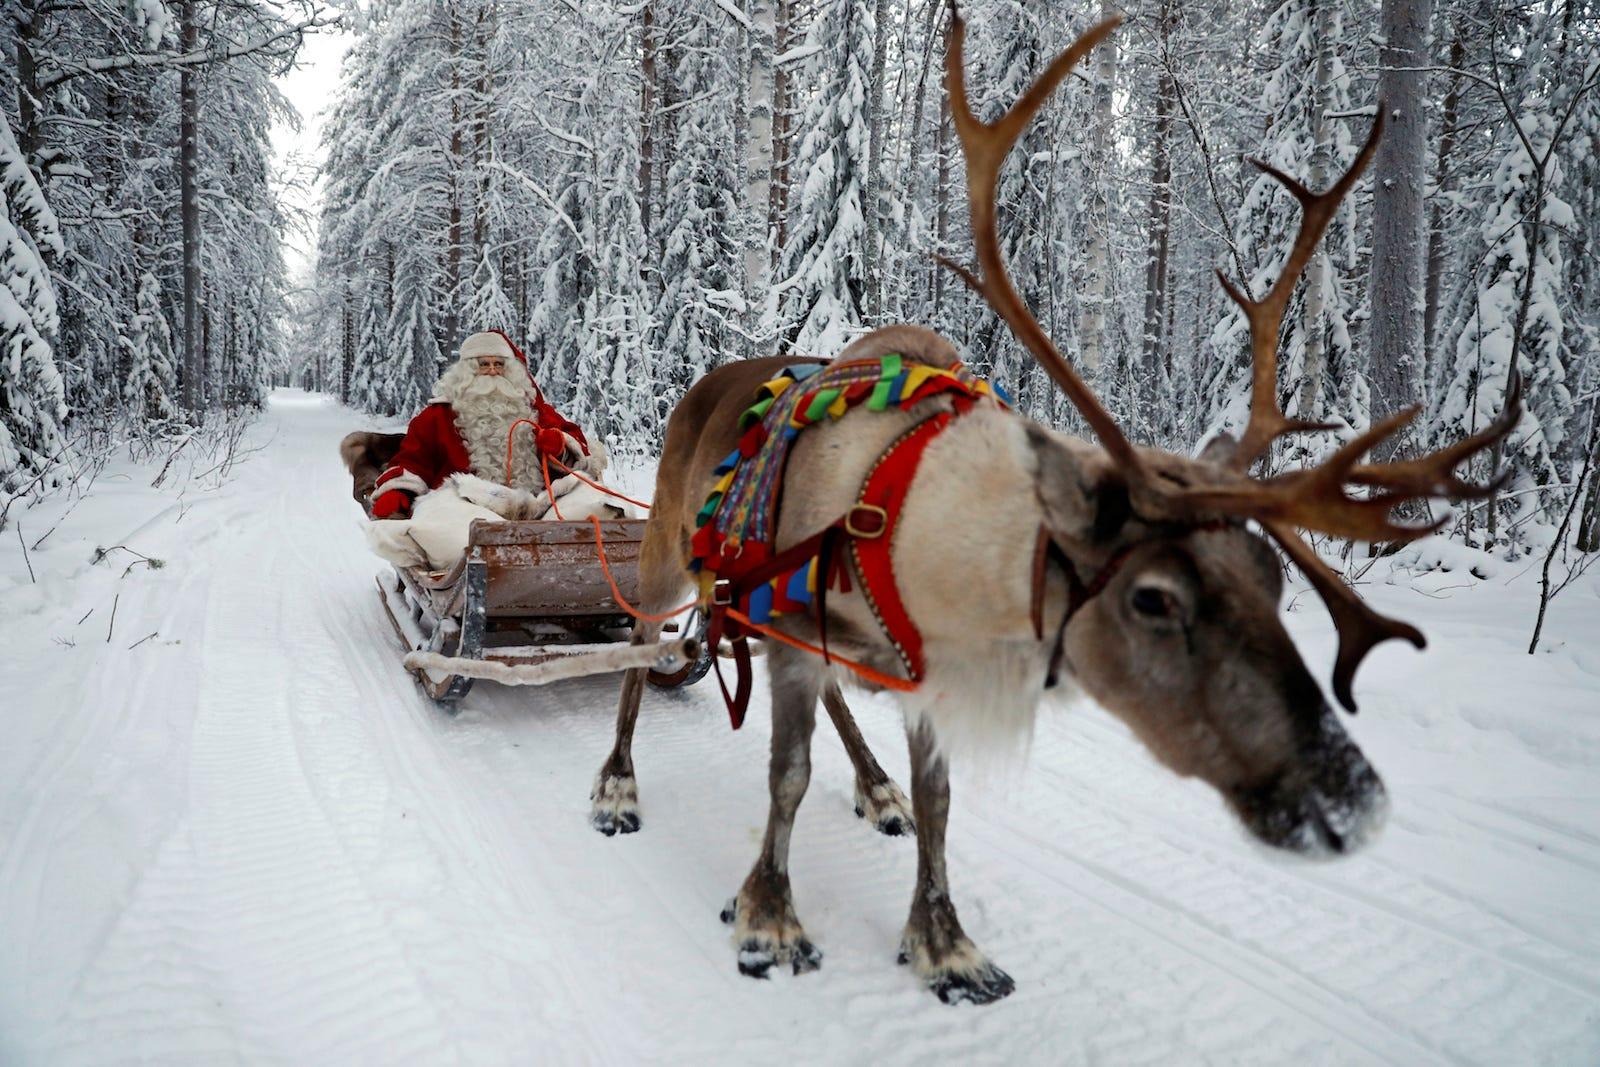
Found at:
(879, 521)
(722, 592)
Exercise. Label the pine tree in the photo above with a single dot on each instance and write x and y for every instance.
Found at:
(701, 292)
(413, 358)
(152, 367)
(822, 282)
(1318, 379)
(1518, 286)
(369, 386)
(32, 399)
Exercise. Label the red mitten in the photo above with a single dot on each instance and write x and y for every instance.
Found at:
(552, 442)
(394, 504)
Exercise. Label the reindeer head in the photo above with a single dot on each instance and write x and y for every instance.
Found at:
(1174, 624)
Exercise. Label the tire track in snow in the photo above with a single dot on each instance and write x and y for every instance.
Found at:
(252, 920)
(1296, 918)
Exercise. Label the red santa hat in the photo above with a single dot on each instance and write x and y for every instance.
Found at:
(491, 343)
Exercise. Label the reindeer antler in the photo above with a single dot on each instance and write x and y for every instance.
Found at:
(985, 147)
(1267, 421)
(1317, 498)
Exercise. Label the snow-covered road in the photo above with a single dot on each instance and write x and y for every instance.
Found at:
(250, 838)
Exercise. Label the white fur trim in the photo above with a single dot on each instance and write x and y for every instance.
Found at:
(405, 480)
(486, 344)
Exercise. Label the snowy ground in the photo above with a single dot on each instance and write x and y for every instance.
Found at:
(249, 838)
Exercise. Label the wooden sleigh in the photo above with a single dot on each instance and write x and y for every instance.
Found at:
(528, 603)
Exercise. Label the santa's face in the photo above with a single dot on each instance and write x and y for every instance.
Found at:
(493, 385)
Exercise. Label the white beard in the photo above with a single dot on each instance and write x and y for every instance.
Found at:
(485, 407)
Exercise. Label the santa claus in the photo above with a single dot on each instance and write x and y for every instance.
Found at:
(465, 427)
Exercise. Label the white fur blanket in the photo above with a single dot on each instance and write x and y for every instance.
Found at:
(436, 534)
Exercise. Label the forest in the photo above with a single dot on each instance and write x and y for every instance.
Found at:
(641, 191)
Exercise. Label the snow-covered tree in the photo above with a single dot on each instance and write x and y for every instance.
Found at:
(32, 400)
(1318, 376)
(152, 368)
(1516, 316)
(700, 300)
(821, 279)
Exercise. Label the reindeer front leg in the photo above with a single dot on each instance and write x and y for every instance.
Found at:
(614, 801)
(878, 799)
(765, 926)
(934, 944)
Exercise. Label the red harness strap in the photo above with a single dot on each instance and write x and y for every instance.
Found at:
(869, 527)
(882, 497)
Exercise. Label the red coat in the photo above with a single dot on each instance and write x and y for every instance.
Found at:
(433, 449)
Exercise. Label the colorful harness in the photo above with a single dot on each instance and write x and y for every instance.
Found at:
(733, 549)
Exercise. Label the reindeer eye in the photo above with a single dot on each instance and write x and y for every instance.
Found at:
(1153, 602)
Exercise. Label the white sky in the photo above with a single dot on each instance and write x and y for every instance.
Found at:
(298, 153)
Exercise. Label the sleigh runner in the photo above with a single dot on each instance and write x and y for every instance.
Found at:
(528, 603)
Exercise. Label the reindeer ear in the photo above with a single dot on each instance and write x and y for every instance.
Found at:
(1083, 496)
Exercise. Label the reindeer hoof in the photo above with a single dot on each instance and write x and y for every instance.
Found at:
(615, 805)
(758, 955)
(963, 975)
(886, 808)
(986, 986)
(776, 942)
(611, 825)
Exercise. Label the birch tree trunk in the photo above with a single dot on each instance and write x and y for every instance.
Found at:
(1398, 266)
(188, 191)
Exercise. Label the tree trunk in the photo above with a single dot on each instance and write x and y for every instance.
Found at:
(1320, 275)
(1441, 181)
(647, 124)
(1092, 322)
(451, 319)
(1396, 337)
(188, 174)
(347, 343)
(941, 200)
(1589, 523)
(873, 268)
(778, 209)
(758, 163)
(483, 91)
(26, 24)
(1155, 279)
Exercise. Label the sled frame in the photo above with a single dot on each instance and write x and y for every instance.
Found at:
(523, 593)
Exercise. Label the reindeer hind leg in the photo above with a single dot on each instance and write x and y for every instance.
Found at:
(878, 799)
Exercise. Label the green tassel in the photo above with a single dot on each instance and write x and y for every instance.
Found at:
(880, 392)
(820, 404)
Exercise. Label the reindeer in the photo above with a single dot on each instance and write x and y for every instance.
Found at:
(1024, 554)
